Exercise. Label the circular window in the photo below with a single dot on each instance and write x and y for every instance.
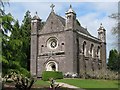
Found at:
(52, 43)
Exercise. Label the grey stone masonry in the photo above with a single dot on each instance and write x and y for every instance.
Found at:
(62, 44)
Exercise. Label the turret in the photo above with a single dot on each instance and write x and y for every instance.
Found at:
(35, 26)
(70, 18)
(102, 37)
(102, 33)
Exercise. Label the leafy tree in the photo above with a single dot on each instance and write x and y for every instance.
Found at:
(16, 45)
(113, 60)
(25, 38)
(12, 45)
(116, 28)
(5, 24)
(19, 44)
(1, 7)
(7, 21)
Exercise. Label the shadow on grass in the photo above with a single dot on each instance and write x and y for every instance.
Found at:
(101, 89)
(43, 89)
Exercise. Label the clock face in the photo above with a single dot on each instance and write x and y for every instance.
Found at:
(52, 43)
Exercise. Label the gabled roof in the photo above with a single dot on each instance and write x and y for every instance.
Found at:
(61, 19)
(83, 30)
(80, 28)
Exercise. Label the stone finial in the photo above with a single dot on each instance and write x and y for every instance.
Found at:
(70, 10)
(101, 25)
(36, 13)
(70, 6)
(36, 16)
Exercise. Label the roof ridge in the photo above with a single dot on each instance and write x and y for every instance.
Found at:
(60, 16)
(61, 19)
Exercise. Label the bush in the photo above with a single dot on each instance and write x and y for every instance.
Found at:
(25, 72)
(101, 74)
(71, 75)
(21, 81)
(47, 75)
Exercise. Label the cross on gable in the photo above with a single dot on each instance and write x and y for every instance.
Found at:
(52, 6)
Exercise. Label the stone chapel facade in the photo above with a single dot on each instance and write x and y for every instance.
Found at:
(62, 44)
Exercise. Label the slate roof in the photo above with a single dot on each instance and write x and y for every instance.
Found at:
(83, 30)
(61, 19)
(80, 28)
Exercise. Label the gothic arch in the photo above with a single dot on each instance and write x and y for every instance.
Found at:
(51, 65)
(84, 48)
(98, 52)
(92, 50)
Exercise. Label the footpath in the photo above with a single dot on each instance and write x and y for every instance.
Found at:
(68, 86)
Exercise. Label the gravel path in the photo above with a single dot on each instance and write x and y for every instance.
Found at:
(67, 85)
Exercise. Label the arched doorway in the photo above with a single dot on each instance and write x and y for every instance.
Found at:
(51, 66)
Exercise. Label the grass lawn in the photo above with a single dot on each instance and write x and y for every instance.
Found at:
(41, 83)
(91, 83)
(38, 84)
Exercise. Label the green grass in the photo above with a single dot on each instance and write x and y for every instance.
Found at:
(42, 83)
(38, 84)
(91, 83)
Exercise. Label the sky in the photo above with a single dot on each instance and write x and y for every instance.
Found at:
(89, 13)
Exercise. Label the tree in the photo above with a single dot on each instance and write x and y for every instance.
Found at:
(116, 28)
(25, 34)
(12, 45)
(116, 16)
(5, 27)
(1, 7)
(116, 31)
(113, 60)
(7, 21)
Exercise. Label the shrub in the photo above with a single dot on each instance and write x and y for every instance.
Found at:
(25, 72)
(21, 81)
(70, 75)
(101, 74)
(47, 75)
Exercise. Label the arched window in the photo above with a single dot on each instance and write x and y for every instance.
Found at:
(98, 52)
(84, 48)
(91, 50)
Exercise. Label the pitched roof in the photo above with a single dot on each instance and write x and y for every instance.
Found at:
(61, 19)
(80, 28)
(83, 30)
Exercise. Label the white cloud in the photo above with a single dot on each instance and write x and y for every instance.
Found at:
(108, 7)
(92, 22)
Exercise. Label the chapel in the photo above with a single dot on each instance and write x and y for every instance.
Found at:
(62, 44)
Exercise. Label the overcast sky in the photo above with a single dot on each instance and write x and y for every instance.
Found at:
(89, 14)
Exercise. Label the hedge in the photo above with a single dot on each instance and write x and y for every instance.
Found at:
(47, 75)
